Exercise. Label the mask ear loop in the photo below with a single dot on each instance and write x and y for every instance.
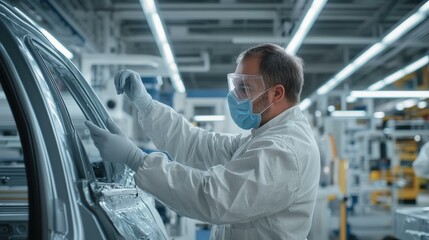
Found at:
(259, 96)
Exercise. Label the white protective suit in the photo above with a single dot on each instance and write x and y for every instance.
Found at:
(421, 164)
(260, 186)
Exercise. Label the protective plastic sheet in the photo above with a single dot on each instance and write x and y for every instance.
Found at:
(131, 210)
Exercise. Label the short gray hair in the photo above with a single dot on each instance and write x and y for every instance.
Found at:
(278, 67)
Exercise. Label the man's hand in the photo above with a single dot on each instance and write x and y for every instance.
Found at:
(131, 83)
(114, 146)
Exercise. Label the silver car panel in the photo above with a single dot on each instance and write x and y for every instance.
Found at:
(65, 198)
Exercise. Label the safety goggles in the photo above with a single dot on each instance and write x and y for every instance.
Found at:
(246, 87)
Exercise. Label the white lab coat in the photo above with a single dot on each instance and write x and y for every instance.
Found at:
(260, 186)
(421, 164)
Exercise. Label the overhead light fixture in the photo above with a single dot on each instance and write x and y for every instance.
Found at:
(376, 49)
(424, 8)
(209, 118)
(173, 67)
(305, 26)
(422, 104)
(325, 88)
(157, 29)
(369, 54)
(318, 113)
(408, 103)
(350, 99)
(399, 107)
(347, 71)
(160, 34)
(305, 104)
(416, 65)
(389, 94)
(169, 58)
(417, 138)
(348, 113)
(379, 115)
(412, 67)
(404, 27)
(331, 108)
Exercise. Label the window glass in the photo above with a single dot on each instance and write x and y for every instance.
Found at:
(13, 179)
(13, 183)
(79, 111)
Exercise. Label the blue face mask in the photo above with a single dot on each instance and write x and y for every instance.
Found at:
(242, 112)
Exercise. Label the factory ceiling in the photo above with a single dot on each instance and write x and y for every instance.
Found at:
(207, 35)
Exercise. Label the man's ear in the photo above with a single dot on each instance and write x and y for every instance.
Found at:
(279, 93)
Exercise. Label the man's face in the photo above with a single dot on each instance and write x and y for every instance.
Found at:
(251, 86)
(250, 66)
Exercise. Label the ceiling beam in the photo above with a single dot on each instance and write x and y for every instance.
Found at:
(200, 15)
(322, 40)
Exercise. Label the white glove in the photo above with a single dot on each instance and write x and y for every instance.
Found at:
(114, 146)
(130, 82)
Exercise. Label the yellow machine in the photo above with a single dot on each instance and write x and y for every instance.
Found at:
(403, 175)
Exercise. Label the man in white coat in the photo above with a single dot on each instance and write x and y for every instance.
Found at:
(257, 186)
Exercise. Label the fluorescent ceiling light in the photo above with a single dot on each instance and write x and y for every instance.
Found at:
(350, 99)
(369, 54)
(168, 54)
(379, 115)
(377, 48)
(347, 71)
(177, 82)
(160, 32)
(174, 68)
(305, 104)
(376, 86)
(393, 77)
(348, 114)
(390, 94)
(399, 107)
(305, 26)
(149, 6)
(209, 118)
(57, 44)
(424, 8)
(327, 86)
(318, 113)
(416, 65)
(403, 28)
(409, 103)
(157, 29)
(422, 104)
(417, 138)
(399, 74)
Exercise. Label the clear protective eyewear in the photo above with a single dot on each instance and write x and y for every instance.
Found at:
(246, 87)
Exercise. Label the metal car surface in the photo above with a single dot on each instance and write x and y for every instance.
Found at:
(71, 193)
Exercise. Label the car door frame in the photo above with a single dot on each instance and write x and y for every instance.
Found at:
(84, 101)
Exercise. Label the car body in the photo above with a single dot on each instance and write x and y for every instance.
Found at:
(54, 184)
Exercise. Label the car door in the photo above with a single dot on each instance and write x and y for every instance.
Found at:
(71, 193)
(114, 193)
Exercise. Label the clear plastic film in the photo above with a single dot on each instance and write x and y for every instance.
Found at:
(130, 209)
